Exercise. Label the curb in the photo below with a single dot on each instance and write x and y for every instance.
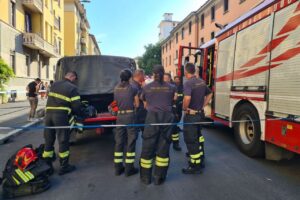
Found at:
(5, 137)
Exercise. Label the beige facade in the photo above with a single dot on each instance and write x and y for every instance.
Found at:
(199, 27)
(93, 46)
(30, 40)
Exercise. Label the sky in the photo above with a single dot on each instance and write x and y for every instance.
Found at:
(124, 27)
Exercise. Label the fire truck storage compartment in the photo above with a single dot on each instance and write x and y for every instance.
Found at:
(249, 56)
(224, 67)
(284, 88)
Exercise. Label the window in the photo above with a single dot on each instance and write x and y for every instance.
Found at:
(13, 60)
(202, 40)
(226, 6)
(182, 33)
(166, 47)
(46, 3)
(162, 49)
(212, 12)
(54, 71)
(190, 27)
(176, 54)
(212, 35)
(28, 65)
(12, 13)
(190, 50)
(202, 21)
(169, 60)
(59, 47)
(176, 37)
(242, 1)
(59, 23)
(47, 71)
(28, 24)
(39, 68)
(170, 45)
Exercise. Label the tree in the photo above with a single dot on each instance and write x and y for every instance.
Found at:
(152, 56)
(6, 73)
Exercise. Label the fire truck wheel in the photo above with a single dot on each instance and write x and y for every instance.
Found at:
(247, 131)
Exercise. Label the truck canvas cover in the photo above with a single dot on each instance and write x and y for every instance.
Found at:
(96, 74)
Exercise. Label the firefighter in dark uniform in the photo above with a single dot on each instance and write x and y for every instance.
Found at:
(196, 96)
(175, 130)
(126, 96)
(158, 97)
(138, 79)
(63, 100)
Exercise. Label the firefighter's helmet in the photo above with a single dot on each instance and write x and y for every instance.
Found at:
(25, 157)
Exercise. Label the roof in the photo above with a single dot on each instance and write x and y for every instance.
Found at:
(258, 8)
(207, 44)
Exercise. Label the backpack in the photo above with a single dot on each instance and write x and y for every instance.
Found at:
(18, 182)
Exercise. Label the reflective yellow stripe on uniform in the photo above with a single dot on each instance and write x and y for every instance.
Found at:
(175, 137)
(129, 160)
(194, 161)
(59, 108)
(118, 154)
(130, 154)
(118, 160)
(29, 175)
(180, 95)
(59, 96)
(22, 176)
(64, 154)
(48, 154)
(71, 120)
(201, 139)
(146, 163)
(16, 180)
(195, 156)
(162, 162)
(75, 98)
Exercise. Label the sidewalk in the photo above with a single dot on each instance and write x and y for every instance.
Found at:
(15, 114)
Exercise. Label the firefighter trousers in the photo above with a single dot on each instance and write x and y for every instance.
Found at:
(156, 142)
(125, 141)
(193, 138)
(176, 130)
(63, 135)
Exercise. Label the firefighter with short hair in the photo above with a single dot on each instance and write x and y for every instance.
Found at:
(63, 100)
(196, 96)
(126, 96)
(158, 96)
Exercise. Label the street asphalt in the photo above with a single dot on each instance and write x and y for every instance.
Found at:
(228, 175)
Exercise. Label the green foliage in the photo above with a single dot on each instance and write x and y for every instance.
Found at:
(6, 73)
(152, 56)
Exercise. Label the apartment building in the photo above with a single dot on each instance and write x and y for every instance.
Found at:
(31, 39)
(93, 46)
(77, 29)
(200, 27)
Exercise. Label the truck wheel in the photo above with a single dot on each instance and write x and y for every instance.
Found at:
(247, 131)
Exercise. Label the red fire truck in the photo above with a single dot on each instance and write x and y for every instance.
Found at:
(253, 68)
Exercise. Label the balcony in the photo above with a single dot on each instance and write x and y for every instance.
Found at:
(56, 23)
(34, 5)
(82, 25)
(34, 41)
(83, 40)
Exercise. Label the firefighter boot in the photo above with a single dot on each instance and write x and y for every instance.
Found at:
(145, 176)
(119, 169)
(65, 167)
(192, 169)
(130, 170)
(49, 162)
(176, 146)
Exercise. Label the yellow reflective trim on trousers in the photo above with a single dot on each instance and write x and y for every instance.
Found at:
(201, 139)
(161, 164)
(195, 156)
(147, 166)
(175, 135)
(198, 161)
(145, 161)
(59, 96)
(175, 138)
(75, 98)
(29, 175)
(160, 159)
(59, 108)
(130, 154)
(71, 119)
(64, 154)
(129, 160)
(16, 180)
(118, 160)
(22, 176)
(118, 154)
(48, 154)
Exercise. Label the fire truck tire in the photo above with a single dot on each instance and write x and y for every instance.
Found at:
(247, 131)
